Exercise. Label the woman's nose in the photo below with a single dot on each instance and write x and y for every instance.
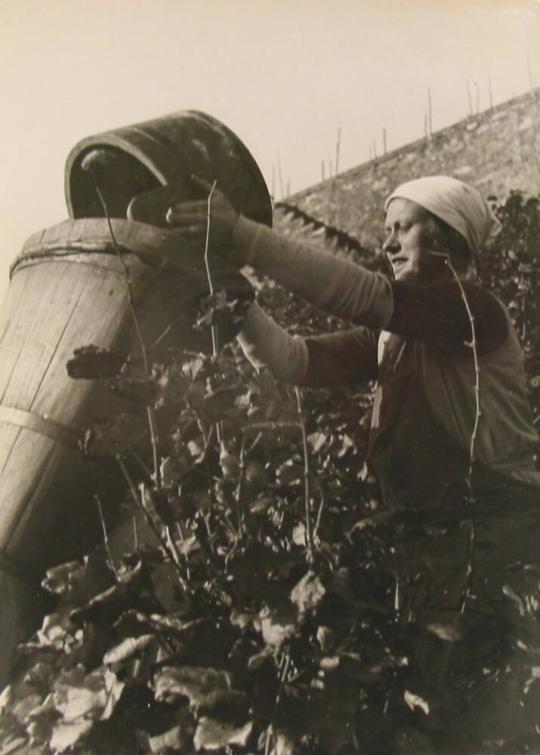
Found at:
(390, 244)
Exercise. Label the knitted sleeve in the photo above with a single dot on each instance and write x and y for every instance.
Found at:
(331, 283)
(339, 358)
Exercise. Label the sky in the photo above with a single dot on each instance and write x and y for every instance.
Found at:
(286, 75)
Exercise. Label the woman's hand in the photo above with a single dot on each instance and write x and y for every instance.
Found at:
(190, 219)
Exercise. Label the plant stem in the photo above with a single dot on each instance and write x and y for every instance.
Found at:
(259, 427)
(319, 515)
(473, 344)
(215, 342)
(149, 411)
(139, 502)
(240, 489)
(307, 477)
(470, 567)
(127, 275)
(105, 536)
(154, 441)
(135, 534)
(283, 670)
(213, 329)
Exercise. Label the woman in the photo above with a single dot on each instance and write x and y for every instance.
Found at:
(448, 362)
(452, 439)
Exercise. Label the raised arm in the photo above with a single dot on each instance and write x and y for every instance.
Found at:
(329, 282)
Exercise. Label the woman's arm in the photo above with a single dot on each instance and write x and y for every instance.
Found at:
(336, 285)
(434, 313)
(321, 361)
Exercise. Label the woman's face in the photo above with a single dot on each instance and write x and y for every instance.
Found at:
(408, 243)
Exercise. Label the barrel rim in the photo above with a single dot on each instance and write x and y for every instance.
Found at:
(155, 246)
(157, 158)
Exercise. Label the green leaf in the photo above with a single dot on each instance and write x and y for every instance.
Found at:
(193, 682)
(142, 391)
(115, 435)
(279, 624)
(307, 595)
(172, 470)
(25, 706)
(133, 590)
(448, 631)
(290, 473)
(299, 534)
(534, 676)
(331, 722)
(283, 745)
(7, 697)
(91, 696)
(136, 623)
(241, 619)
(41, 722)
(213, 735)
(67, 734)
(127, 648)
(259, 660)
(18, 746)
(176, 739)
(76, 581)
(326, 639)
(317, 441)
(225, 705)
(90, 362)
(414, 701)
(58, 631)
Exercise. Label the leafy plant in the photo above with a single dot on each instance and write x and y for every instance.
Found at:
(264, 615)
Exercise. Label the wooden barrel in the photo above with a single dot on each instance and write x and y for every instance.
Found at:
(68, 289)
(167, 150)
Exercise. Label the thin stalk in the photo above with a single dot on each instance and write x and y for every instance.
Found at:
(259, 427)
(319, 515)
(473, 344)
(173, 547)
(140, 461)
(182, 540)
(307, 477)
(154, 442)
(110, 559)
(135, 534)
(238, 496)
(470, 567)
(213, 329)
(215, 344)
(254, 444)
(127, 274)
(472, 536)
(149, 411)
(283, 670)
(140, 505)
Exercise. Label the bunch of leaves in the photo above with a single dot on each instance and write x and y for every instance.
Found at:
(511, 269)
(264, 612)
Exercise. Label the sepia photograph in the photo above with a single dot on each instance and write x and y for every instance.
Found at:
(270, 377)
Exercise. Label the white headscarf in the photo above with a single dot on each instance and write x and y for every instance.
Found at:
(460, 206)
